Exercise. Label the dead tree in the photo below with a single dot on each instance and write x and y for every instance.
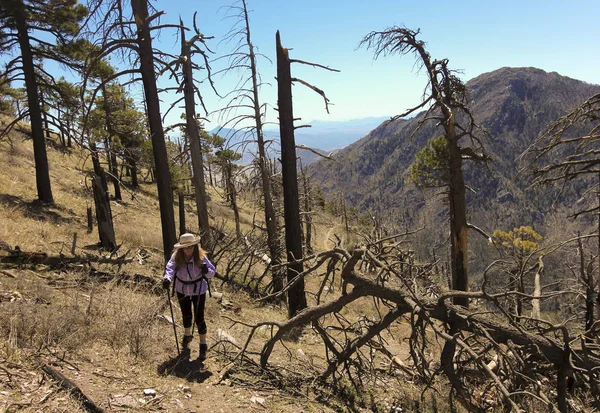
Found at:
(493, 351)
(293, 223)
(245, 56)
(190, 48)
(106, 230)
(307, 210)
(293, 230)
(567, 153)
(446, 103)
(134, 34)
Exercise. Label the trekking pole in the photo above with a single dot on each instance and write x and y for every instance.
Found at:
(198, 303)
(173, 320)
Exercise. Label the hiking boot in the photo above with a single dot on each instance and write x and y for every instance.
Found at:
(203, 350)
(185, 343)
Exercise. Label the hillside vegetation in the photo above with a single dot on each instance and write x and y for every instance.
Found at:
(105, 327)
(373, 337)
(515, 106)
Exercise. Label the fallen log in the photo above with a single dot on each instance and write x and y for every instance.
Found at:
(71, 388)
(19, 257)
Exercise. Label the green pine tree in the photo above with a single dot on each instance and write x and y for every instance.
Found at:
(23, 23)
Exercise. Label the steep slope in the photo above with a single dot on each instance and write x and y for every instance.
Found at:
(514, 104)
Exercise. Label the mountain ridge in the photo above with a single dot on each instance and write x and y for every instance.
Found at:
(514, 104)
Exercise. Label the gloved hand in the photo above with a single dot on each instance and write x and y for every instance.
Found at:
(204, 269)
(166, 283)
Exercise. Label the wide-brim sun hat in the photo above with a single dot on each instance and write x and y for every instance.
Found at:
(187, 240)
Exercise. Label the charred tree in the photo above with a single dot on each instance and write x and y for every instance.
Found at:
(446, 103)
(42, 172)
(106, 230)
(163, 176)
(246, 56)
(293, 229)
(110, 153)
(194, 136)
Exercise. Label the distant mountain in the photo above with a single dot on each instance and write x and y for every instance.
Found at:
(514, 104)
(323, 136)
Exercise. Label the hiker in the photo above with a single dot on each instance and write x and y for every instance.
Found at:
(190, 270)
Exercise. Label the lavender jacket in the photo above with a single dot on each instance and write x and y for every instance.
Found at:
(189, 273)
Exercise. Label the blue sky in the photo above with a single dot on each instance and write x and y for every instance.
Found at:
(476, 36)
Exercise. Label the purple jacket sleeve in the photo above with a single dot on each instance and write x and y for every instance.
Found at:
(211, 268)
(170, 270)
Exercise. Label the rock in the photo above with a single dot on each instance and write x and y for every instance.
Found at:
(119, 400)
(149, 392)
(224, 336)
(259, 400)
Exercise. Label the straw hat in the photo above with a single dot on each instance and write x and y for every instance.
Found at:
(187, 240)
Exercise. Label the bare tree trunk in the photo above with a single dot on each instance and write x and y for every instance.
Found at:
(345, 212)
(104, 220)
(133, 169)
(182, 229)
(90, 222)
(195, 147)
(42, 173)
(293, 230)
(163, 176)
(270, 216)
(598, 279)
(587, 278)
(307, 212)
(232, 195)
(458, 211)
(98, 170)
(537, 290)
(110, 155)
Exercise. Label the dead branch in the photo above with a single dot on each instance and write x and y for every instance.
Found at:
(19, 257)
(71, 388)
(316, 89)
(315, 151)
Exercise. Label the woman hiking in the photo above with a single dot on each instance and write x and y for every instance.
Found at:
(189, 270)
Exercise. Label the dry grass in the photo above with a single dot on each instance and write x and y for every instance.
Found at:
(113, 330)
(107, 326)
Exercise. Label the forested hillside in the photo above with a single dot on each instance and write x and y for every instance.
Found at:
(515, 106)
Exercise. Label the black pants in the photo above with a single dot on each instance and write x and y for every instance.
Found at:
(197, 302)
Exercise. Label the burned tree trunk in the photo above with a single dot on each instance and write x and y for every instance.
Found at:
(110, 154)
(270, 215)
(194, 136)
(182, 229)
(42, 172)
(106, 229)
(163, 176)
(307, 212)
(293, 223)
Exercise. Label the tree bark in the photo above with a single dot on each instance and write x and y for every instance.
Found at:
(106, 230)
(293, 229)
(458, 216)
(537, 290)
(110, 154)
(195, 146)
(42, 172)
(263, 164)
(182, 229)
(307, 212)
(163, 176)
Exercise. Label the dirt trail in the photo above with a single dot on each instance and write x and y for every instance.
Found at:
(327, 243)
